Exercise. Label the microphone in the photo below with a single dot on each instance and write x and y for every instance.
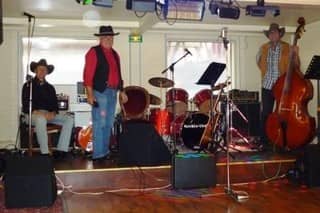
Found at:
(223, 35)
(188, 52)
(28, 14)
(224, 32)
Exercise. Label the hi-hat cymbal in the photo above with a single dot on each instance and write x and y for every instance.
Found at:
(154, 100)
(220, 86)
(161, 82)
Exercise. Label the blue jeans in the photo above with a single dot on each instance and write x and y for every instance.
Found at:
(102, 121)
(40, 124)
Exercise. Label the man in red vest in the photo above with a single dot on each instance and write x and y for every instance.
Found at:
(102, 80)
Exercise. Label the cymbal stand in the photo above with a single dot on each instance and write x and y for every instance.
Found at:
(233, 107)
(173, 94)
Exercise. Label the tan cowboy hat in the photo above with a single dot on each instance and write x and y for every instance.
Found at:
(106, 31)
(42, 62)
(274, 27)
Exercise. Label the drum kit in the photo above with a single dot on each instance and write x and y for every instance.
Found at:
(173, 122)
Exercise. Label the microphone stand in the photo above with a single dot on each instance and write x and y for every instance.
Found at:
(29, 81)
(171, 68)
(228, 190)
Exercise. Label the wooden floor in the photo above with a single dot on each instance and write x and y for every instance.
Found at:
(278, 196)
(258, 175)
(257, 183)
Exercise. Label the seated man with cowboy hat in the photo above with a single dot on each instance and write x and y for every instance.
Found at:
(45, 109)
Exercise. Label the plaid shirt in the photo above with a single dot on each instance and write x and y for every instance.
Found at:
(273, 73)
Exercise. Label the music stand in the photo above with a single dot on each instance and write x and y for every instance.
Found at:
(313, 72)
(212, 74)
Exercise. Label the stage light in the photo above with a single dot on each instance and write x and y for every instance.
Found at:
(224, 10)
(260, 9)
(192, 10)
(100, 3)
(141, 5)
(103, 3)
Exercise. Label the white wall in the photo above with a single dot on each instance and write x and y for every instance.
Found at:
(140, 62)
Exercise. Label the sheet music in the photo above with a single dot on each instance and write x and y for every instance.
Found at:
(313, 71)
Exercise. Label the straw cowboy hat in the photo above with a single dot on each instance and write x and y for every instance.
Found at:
(274, 27)
(42, 62)
(106, 31)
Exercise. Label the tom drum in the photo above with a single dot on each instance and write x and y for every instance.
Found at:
(177, 98)
(202, 100)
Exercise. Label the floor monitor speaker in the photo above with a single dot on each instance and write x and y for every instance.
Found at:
(141, 145)
(193, 170)
(29, 182)
(309, 166)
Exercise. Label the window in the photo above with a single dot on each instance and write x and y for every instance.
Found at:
(188, 70)
(66, 54)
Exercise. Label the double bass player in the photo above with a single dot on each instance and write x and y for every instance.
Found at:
(273, 60)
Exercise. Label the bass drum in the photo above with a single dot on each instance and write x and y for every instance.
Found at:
(192, 130)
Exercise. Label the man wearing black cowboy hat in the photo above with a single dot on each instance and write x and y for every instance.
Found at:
(45, 109)
(102, 80)
(273, 61)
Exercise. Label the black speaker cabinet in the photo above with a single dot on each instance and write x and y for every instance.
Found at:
(193, 170)
(309, 166)
(29, 182)
(141, 145)
(252, 113)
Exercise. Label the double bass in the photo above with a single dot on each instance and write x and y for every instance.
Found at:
(290, 126)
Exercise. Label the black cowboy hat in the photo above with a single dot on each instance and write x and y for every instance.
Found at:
(42, 62)
(106, 31)
(273, 27)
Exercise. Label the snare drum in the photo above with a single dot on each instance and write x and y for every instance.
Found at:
(202, 100)
(178, 98)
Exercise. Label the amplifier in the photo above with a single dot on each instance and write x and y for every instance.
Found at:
(244, 96)
(193, 170)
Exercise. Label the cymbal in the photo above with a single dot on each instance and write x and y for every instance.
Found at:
(154, 100)
(161, 82)
(220, 86)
